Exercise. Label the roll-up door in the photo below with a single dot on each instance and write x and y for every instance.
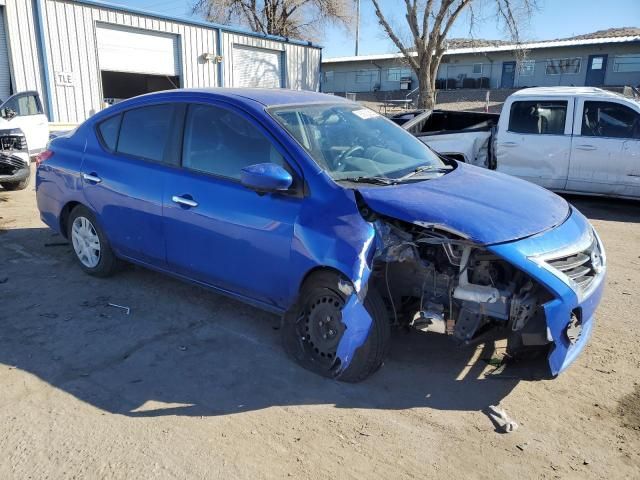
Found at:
(5, 74)
(122, 49)
(256, 67)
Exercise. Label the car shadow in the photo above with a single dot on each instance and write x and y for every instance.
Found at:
(183, 350)
(610, 209)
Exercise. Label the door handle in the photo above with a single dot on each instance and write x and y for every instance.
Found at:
(187, 202)
(633, 174)
(508, 144)
(91, 177)
(585, 147)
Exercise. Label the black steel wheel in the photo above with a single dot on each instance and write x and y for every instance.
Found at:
(314, 326)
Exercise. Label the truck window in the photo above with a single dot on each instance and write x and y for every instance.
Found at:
(608, 119)
(538, 117)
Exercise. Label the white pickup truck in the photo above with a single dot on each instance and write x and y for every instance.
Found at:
(567, 139)
(24, 132)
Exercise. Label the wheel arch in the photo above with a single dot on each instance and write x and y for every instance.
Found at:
(64, 215)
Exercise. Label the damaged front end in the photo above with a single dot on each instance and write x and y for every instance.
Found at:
(439, 281)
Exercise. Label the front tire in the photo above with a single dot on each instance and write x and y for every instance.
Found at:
(90, 244)
(313, 329)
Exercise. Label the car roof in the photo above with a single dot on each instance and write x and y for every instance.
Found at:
(268, 97)
(564, 91)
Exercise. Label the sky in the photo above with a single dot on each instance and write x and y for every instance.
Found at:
(555, 19)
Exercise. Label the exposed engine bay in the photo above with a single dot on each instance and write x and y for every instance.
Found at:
(436, 280)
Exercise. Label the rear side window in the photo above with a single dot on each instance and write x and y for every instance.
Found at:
(145, 131)
(222, 143)
(608, 119)
(108, 131)
(538, 117)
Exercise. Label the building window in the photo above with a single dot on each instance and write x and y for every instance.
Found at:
(626, 63)
(477, 68)
(328, 76)
(366, 76)
(394, 74)
(527, 67)
(563, 66)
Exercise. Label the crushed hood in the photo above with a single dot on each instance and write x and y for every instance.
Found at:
(486, 206)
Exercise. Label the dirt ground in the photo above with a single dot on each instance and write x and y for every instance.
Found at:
(193, 385)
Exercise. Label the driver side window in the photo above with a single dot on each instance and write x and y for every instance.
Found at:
(608, 119)
(222, 143)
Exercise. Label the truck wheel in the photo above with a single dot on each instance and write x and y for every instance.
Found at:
(13, 186)
(90, 244)
(313, 329)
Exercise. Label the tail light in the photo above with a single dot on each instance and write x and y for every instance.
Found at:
(43, 156)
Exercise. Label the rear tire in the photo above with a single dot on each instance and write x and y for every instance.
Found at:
(321, 297)
(90, 245)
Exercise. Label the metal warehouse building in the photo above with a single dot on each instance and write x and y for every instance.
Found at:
(82, 54)
(607, 58)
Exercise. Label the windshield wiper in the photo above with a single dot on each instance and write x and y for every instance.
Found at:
(372, 180)
(425, 168)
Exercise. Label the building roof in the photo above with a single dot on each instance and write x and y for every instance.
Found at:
(199, 23)
(460, 46)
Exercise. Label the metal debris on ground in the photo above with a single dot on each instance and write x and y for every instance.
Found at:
(56, 244)
(504, 423)
(122, 307)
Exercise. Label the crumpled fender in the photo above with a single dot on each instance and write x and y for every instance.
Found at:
(341, 240)
(358, 322)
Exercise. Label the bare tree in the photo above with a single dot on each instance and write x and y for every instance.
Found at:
(303, 19)
(429, 23)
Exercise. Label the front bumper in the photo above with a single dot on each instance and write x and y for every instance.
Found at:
(569, 301)
(13, 167)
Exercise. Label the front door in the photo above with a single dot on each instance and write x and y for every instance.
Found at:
(508, 74)
(596, 69)
(605, 157)
(217, 231)
(123, 179)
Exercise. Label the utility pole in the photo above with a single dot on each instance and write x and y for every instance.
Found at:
(357, 24)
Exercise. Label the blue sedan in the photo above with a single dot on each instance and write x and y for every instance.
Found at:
(328, 214)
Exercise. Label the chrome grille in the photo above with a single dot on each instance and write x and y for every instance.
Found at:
(581, 267)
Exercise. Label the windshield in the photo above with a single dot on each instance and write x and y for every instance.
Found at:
(355, 143)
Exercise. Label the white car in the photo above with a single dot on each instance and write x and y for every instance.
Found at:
(568, 139)
(24, 133)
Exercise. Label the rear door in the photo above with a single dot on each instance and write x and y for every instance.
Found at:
(123, 176)
(534, 140)
(218, 231)
(606, 149)
(30, 118)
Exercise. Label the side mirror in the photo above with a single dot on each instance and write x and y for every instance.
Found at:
(7, 113)
(266, 177)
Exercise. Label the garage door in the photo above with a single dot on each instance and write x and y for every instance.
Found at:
(256, 67)
(5, 75)
(122, 49)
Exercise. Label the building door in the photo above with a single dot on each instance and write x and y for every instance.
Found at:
(5, 74)
(596, 68)
(135, 61)
(256, 67)
(508, 74)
